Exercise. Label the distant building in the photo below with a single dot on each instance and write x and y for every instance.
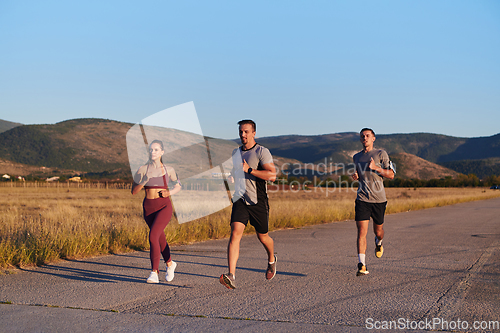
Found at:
(220, 175)
(75, 179)
(52, 179)
(6, 176)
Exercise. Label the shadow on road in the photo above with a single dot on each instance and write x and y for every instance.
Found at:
(96, 275)
(280, 272)
(85, 274)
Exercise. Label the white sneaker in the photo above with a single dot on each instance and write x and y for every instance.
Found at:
(170, 271)
(153, 278)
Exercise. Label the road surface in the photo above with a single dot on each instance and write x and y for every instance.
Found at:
(439, 264)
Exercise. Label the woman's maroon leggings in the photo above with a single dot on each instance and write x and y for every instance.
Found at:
(157, 221)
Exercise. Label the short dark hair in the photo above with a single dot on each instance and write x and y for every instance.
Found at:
(248, 121)
(367, 129)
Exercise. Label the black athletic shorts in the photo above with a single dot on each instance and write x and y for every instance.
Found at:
(365, 210)
(257, 214)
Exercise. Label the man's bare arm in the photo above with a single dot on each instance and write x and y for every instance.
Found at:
(387, 173)
(269, 172)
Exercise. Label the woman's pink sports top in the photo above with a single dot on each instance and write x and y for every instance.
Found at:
(157, 182)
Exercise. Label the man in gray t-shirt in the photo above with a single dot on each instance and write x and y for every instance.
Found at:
(253, 166)
(248, 186)
(371, 183)
(372, 165)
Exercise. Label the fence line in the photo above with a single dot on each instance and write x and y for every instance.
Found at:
(82, 185)
(98, 185)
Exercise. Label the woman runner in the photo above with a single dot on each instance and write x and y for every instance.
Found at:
(154, 177)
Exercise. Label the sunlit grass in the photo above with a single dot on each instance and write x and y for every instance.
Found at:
(40, 225)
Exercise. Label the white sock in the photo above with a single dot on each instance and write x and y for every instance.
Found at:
(378, 242)
(362, 259)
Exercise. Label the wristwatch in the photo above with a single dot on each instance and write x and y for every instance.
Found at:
(249, 171)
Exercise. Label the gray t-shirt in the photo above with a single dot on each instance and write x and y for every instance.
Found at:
(247, 186)
(371, 184)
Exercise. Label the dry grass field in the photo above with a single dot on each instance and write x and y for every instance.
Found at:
(40, 225)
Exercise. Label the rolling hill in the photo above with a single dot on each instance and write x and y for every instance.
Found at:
(90, 145)
(99, 147)
(7, 125)
(480, 156)
(413, 167)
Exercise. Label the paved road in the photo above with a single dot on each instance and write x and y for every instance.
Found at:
(439, 263)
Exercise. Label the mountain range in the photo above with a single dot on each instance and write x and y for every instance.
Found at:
(7, 125)
(98, 147)
(480, 156)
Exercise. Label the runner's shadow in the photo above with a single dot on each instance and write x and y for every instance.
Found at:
(113, 265)
(79, 274)
(256, 270)
(94, 275)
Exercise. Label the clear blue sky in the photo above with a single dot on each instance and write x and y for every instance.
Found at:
(295, 67)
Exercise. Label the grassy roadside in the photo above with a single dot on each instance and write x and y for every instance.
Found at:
(42, 225)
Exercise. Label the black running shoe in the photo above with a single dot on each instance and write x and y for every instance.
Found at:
(362, 270)
(379, 249)
(271, 269)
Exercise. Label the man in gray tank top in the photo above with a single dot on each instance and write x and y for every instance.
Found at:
(372, 165)
(253, 166)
